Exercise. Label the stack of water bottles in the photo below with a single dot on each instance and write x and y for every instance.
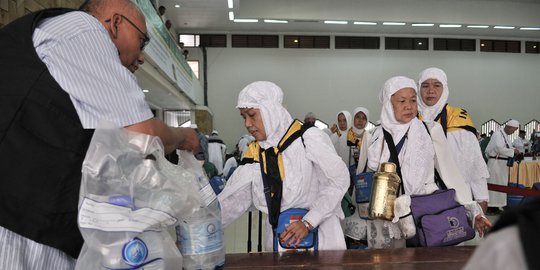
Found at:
(199, 234)
(130, 195)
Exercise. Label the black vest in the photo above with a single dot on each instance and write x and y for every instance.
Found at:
(42, 143)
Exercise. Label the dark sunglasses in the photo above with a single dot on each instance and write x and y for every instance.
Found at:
(145, 40)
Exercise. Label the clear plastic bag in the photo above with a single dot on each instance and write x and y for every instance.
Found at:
(130, 195)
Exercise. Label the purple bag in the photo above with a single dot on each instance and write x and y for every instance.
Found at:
(439, 219)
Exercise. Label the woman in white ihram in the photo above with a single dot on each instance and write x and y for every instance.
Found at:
(418, 157)
(460, 131)
(314, 176)
(339, 136)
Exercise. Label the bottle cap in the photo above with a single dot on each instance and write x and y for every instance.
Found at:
(388, 167)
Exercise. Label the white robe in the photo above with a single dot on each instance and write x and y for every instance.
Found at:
(469, 159)
(340, 141)
(216, 154)
(315, 179)
(498, 171)
(500, 250)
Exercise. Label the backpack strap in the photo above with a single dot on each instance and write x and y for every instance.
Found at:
(272, 170)
(438, 179)
(394, 155)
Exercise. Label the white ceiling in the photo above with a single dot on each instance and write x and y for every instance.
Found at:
(307, 16)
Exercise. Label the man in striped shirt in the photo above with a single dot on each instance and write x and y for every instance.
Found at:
(73, 69)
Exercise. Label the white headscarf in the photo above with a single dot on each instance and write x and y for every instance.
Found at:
(267, 97)
(416, 156)
(430, 112)
(388, 120)
(347, 118)
(359, 131)
(363, 155)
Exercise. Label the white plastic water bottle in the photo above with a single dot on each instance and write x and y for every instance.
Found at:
(200, 236)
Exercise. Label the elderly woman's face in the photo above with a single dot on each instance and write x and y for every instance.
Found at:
(431, 91)
(342, 122)
(404, 104)
(360, 120)
(254, 123)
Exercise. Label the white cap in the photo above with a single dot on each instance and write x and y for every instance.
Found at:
(513, 123)
(215, 132)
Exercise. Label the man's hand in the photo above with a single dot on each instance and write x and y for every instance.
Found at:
(189, 140)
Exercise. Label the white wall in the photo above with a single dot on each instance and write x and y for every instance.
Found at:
(325, 81)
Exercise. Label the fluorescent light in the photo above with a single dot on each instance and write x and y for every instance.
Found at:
(231, 16)
(336, 22)
(393, 23)
(230, 3)
(530, 28)
(176, 6)
(503, 27)
(276, 21)
(246, 20)
(477, 26)
(145, 90)
(450, 25)
(365, 23)
(422, 24)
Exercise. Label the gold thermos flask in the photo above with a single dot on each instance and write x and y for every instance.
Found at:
(383, 192)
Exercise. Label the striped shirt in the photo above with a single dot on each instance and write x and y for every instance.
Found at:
(84, 61)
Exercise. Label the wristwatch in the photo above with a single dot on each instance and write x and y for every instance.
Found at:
(308, 226)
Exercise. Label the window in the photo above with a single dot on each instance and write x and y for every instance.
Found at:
(449, 44)
(189, 40)
(357, 42)
(532, 47)
(511, 46)
(194, 65)
(306, 42)
(213, 41)
(255, 41)
(398, 43)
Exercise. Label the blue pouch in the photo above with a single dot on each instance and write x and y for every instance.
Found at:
(217, 183)
(362, 186)
(287, 217)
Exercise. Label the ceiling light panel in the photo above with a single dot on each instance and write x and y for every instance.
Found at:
(393, 23)
(478, 26)
(450, 25)
(231, 16)
(230, 3)
(246, 20)
(423, 24)
(365, 23)
(503, 27)
(336, 22)
(276, 21)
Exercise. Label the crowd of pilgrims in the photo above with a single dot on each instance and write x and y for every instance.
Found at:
(283, 164)
(313, 170)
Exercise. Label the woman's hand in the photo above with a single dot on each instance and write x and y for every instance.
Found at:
(294, 234)
(481, 224)
(334, 128)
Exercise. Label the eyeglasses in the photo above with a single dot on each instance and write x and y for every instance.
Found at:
(144, 40)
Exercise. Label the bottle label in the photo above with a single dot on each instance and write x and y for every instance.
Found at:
(113, 218)
(201, 238)
(207, 195)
